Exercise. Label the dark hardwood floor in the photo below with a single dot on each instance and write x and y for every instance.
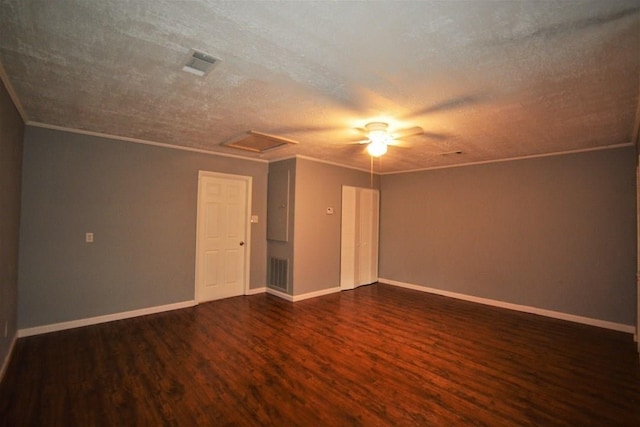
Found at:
(376, 356)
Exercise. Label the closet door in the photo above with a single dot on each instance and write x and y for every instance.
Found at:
(359, 240)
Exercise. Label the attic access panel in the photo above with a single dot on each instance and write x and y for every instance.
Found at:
(199, 63)
(258, 142)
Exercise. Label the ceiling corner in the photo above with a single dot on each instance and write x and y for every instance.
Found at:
(12, 94)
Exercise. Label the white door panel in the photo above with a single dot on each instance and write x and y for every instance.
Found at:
(359, 237)
(222, 236)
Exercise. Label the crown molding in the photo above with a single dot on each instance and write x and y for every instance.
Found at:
(141, 141)
(4, 77)
(327, 162)
(313, 159)
(513, 159)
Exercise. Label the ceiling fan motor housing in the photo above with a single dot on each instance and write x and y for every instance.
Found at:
(376, 126)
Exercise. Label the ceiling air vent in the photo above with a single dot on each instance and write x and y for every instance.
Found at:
(258, 142)
(199, 63)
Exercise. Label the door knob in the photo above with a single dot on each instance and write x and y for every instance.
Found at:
(241, 243)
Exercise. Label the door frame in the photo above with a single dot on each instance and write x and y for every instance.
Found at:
(247, 259)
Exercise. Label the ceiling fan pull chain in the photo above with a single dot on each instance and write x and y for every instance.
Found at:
(371, 172)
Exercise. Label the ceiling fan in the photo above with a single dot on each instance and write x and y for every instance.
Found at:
(379, 138)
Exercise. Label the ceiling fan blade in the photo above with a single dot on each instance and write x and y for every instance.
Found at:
(450, 104)
(353, 149)
(406, 133)
(364, 132)
(398, 143)
(436, 136)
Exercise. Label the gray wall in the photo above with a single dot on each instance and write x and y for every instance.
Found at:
(317, 235)
(11, 137)
(556, 233)
(139, 200)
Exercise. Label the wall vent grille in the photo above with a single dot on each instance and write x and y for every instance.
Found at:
(278, 273)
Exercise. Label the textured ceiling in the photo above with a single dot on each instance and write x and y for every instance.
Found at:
(494, 79)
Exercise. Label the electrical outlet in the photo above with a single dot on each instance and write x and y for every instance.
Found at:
(88, 237)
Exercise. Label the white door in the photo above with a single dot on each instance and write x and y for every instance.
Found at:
(222, 243)
(359, 237)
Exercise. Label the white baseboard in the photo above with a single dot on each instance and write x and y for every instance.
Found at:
(296, 298)
(37, 330)
(7, 357)
(256, 291)
(517, 307)
(279, 294)
(315, 294)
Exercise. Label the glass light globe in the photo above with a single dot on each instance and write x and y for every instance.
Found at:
(376, 148)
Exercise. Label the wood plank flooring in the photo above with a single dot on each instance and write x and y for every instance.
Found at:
(376, 356)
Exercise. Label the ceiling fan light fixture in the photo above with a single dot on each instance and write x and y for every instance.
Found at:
(377, 148)
(379, 136)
